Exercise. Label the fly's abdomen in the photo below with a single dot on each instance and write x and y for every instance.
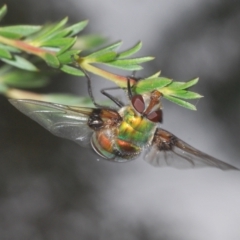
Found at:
(133, 135)
(126, 140)
(103, 143)
(109, 146)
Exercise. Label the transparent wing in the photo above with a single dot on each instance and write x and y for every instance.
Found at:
(168, 150)
(61, 120)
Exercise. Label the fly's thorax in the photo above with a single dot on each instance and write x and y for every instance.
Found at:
(103, 118)
(135, 128)
(136, 120)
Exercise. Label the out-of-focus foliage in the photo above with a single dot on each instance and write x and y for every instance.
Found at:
(23, 48)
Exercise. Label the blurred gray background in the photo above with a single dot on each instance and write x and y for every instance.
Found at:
(52, 189)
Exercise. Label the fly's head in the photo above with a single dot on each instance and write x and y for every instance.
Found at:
(148, 105)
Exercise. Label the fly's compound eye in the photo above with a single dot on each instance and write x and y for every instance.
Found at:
(155, 116)
(138, 103)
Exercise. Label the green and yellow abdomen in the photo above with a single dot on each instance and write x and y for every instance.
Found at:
(126, 140)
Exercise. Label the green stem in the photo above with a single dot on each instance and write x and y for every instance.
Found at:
(121, 81)
(25, 47)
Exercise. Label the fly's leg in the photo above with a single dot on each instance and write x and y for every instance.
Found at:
(90, 93)
(114, 99)
(134, 77)
(103, 91)
(129, 89)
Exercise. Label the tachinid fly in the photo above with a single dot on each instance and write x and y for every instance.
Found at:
(120, 135)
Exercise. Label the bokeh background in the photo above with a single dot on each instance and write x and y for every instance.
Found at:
(52, 189)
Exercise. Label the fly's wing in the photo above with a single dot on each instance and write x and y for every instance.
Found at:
(61, 120)
(168, 150)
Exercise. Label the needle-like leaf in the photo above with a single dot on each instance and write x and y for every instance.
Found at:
(3, 11)
(148, 85)
(54, 43)
(20, 62)
(181, 102)
(131, 51)
(5, 53)
(72, 70)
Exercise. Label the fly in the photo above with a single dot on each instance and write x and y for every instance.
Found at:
(122, 134)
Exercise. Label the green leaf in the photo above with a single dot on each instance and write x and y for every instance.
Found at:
(5, 68)
(51, 60)
(183, 85)
(25, 79)
(185, 94)
(149, 85)
(76, 28)
(50, 30)
(70, 31)
(67, 57)
(57, 26)
(3, 88)
(134, 61)
(21, 30)
(67, 46)
(105, 57)
(110, 48)
(3, 11)
(10, 35)
(124, 66)
(156, 75)
(180, 102)
(72, 70)
(5, 54)
(21, 63)
(9, 48)
(190, 83)
(67, 99)
(89, 41)
(130, 51)
(176, 85)
(58, 42)
(60, 34)
(129, 64)
(37, 37)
